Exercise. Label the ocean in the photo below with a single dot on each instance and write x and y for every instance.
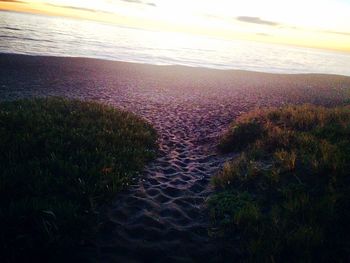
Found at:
(57, 36)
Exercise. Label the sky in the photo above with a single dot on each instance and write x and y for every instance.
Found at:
(310, 23)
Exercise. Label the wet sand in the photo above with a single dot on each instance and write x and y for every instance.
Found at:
(162, 216)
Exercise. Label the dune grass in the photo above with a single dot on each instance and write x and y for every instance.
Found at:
(59, 159)
(286, 197)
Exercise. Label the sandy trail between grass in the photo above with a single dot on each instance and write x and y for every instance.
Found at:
(162, 217)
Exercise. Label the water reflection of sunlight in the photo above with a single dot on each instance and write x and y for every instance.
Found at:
(172, 40)
(43, 35)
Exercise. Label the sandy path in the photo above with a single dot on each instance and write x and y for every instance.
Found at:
(162, 216)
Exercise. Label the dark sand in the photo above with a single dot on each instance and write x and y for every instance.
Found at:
(162, 217)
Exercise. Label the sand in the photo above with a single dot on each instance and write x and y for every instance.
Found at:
(162, 216)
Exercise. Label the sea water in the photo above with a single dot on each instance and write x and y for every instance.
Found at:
(57, 36)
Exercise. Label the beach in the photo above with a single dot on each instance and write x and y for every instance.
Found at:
(162, 216)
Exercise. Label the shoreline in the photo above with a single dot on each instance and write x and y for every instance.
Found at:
(4, 54)
(57, 76)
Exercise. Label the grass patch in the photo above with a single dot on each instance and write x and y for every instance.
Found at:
(287, 196)
(59, 159)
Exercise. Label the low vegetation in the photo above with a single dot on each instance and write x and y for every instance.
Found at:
(59, 159)
(286, 197)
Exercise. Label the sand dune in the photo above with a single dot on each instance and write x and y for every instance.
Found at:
(162, 216)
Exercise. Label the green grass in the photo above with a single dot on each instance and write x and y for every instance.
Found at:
(286, 197)
(59, 160)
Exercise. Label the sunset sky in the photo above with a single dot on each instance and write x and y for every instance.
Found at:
(311, 23)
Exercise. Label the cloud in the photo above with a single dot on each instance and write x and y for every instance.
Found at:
(211, 16)
(79, 8)
(263, 34)
(256, 20)
(140, 2)
(14, 1)
(338, 33)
